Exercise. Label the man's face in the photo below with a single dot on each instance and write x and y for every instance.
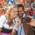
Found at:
(20, 11)
(13, 13)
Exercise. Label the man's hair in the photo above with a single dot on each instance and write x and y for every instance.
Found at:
(20, 5)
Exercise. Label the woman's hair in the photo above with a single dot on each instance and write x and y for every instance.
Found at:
(8, 14)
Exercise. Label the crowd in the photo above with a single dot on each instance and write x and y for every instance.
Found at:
(13, 15)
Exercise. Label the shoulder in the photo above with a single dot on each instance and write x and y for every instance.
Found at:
(3, 17)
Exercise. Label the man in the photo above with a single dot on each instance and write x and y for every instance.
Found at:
(20, 14)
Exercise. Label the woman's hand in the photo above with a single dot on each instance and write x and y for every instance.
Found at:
(13, 32)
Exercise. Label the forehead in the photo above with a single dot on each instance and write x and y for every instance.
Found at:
(15, 9)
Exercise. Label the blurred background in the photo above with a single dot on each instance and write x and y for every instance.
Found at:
(29, 9)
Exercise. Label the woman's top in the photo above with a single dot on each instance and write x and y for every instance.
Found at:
(5, 26)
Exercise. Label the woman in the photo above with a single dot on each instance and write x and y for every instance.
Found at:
(8, 27)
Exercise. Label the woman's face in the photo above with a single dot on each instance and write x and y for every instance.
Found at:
(13, 13)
